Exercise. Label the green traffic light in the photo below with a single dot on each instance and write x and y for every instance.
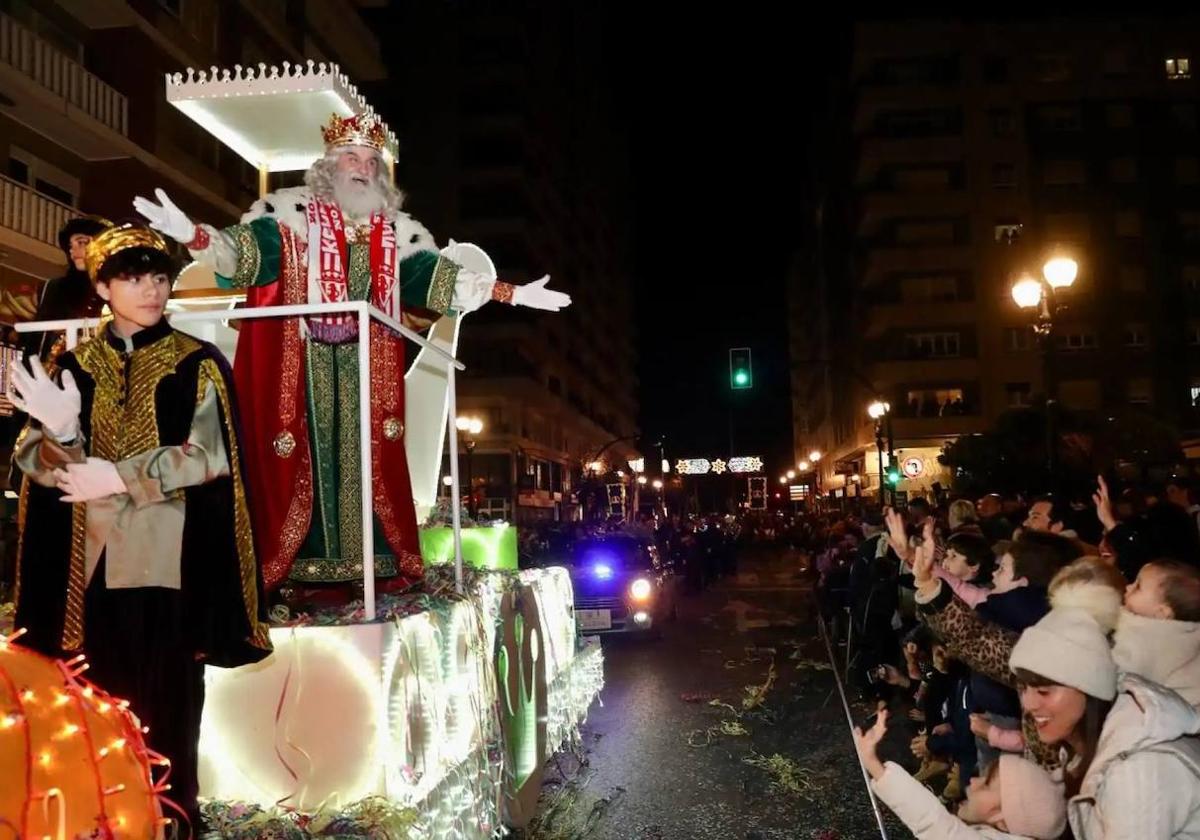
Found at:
(893, 477)
(740, 377)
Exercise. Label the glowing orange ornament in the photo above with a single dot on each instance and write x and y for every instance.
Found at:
(72, 758)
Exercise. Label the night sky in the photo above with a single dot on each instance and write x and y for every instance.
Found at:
(723, 113)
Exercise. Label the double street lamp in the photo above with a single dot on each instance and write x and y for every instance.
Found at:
(1041, 296)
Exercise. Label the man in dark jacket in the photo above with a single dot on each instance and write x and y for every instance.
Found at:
(69, 296)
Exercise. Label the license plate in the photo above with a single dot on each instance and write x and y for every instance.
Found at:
(594, 619)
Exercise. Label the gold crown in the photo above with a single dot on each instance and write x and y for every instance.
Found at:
(117, 239)
(359, 130)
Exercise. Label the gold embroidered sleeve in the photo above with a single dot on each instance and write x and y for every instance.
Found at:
(249, 254)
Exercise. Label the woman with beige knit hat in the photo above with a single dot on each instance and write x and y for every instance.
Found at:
(1131, 758)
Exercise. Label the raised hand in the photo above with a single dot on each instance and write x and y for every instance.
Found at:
(1104, 510)
(867, 744)
(165, 217)
(897, 535)
(57, 409)
(924, 554)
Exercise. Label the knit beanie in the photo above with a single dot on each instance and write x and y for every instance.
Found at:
(1031, 802)
(1069, 648)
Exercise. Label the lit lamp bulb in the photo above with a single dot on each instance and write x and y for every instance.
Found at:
(791, 473)
(803, 466)
(1060, 272)
(1027, 292)
(815, 455)
(657, 484)
(783, 479)
(877, 409)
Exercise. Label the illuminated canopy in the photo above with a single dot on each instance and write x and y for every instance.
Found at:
(271, 116)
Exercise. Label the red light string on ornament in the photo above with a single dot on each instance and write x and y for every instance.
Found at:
(73, 689)
(24, 721)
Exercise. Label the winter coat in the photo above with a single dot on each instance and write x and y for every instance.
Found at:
(1016, 609)
(921, 811)
(1144, 781)
(1163, 651)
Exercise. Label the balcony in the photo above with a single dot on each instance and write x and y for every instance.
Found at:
(57, 97)
(29, 225)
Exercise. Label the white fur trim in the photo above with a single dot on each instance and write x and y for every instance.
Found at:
(1101, 602)
(288, 207)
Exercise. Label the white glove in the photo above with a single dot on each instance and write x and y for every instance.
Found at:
(96, 479)
(166, 218)
(535, 295)
(57, 409)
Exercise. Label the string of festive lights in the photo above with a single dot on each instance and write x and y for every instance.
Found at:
(73, 757)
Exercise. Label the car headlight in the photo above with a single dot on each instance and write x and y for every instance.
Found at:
(640, 589)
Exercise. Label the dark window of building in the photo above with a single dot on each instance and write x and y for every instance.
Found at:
(1187, 170)
(18, 170)
(1003, 122)
(1018, 394)
(1059, 117)
(1064, 173)
(1189, 225)
(1132, 278)
(1135, 335)
(995, 69)
(925, 122)
(57, 193)
(1123, 170)
(1075, 339)
(932, 345)
(1019, 338)
(1004, 176)
(1052, 67)
(918, 70)
(1118, 115)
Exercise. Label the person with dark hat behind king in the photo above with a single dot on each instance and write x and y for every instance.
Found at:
(71, 296)
(137, 548)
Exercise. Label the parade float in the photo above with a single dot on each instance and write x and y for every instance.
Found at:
(429, 713)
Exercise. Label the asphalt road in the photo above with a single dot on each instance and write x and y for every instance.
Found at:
(660, 760)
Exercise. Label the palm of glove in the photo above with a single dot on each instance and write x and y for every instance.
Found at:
(57, 409)
(165, 217)
(535, 295)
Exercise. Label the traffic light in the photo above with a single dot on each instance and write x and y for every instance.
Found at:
(893, 475)
(741, 374)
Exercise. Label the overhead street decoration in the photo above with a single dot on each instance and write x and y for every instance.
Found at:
(718, 466)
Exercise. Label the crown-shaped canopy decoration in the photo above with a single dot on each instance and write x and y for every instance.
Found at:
(276, 117)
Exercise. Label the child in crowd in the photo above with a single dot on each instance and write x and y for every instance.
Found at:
(1014, 799)
(1158, 633)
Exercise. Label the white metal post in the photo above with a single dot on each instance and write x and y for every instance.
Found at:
(455, 487)
(365, 433)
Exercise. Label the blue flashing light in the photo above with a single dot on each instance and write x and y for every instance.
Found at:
(602, 571)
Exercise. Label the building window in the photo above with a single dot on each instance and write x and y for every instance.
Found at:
(922, 178)
(1019, 394)
(1004, 176)
(933, 232)
(1135, 335)
(1129, 223)
(1118, 115)
(1116, 62)
(1067, 227)
(928, 122)
(1018, 338)
(1064, 173)
(1133, 278)
(931, 345)
(1077, 340)
(1122, 170)
(1080, 393)
(43, 177)
(1140, 391)
(1052, 67)
(1179, 67)
(1060, 117)
(1194, 393)
(1006, 233)
(1187, 170)
(1189, 225)
(935, 402)
(930, 288)
(1003, 122)
(995, 69)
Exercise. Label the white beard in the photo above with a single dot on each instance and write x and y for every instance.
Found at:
(358, 202)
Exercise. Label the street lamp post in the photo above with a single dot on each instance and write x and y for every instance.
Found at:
(472, 426)
(813, 458)
(881, 412)
(1041, 294)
